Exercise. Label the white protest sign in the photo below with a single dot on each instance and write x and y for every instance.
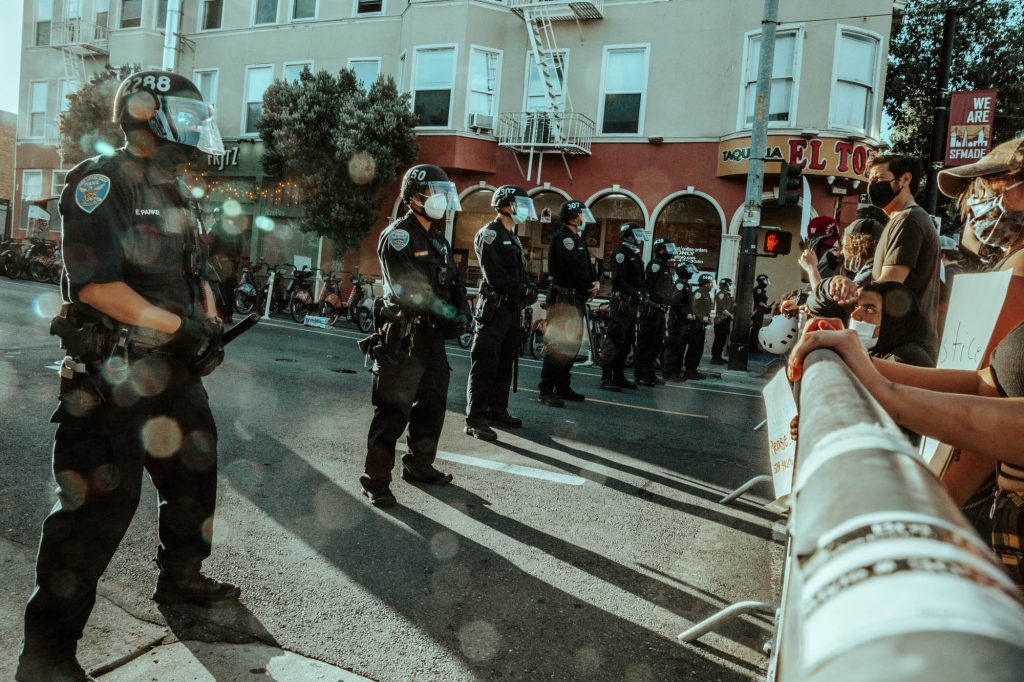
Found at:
(974, 308)
(781, 409)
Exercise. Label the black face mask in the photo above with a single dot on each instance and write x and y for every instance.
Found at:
(881, 193)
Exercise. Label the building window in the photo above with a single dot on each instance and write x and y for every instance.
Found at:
(367, 71)
(369, 7)
(31, 184)
(161, 14)
(67, 87)
(266, 12)
(37, 115)
(211, 15)
(102, 15)
(853, 87)
(484, 72)
(293, 70)
(784, 79)
(625, 85)
(257, 80)
(693, 224)
(206, 81)
(57, 181)
(536, 90)
(303, 9)
(131, 13)
(44, 22)
(433, 79)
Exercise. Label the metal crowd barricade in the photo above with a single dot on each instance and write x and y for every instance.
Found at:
(884, 577)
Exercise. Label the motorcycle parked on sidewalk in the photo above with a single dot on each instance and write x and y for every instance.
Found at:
(300, 294)
(359, 306)
(46, 265)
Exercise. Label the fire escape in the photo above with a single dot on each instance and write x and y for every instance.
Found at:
(77, 40)
(555, 128)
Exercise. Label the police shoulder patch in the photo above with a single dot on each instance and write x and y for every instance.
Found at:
(569, 243)
(91, 191)
(679, 286)
(697, 295)
(620, 258)
(655, 267)
(398, 239)
(489, 235)
(721, 296)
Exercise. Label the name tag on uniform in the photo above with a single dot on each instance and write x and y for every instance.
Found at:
(420, 253)
(507, 242)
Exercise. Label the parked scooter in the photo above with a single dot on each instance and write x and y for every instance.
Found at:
(359, 306)
(300, 294)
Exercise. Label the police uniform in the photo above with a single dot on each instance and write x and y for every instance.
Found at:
(496, 343)
(724, 303)
(424, 304)
(124, 406)
(651, 337)
(680, 315)
(628, 290)
(572, 276)
(702, 303)
(757, 317)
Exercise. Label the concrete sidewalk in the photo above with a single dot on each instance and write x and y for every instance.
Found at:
(118, 646)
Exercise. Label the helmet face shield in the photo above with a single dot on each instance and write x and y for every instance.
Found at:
(188, 121)
(588, 217)
(639, 236)
(670, 249)
(441, 199)
(523, 209)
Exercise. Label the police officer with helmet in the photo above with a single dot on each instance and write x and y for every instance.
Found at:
(761, 308)
(680, 316)
(629, 291)
(505, 289)
(139, 328)
(651, 337)
(702, 304)
(424, 304)
(724, 307)
(573, 283)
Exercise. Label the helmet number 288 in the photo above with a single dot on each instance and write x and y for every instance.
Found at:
(161, 84)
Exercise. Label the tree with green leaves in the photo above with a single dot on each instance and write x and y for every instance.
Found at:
(340, 144)
(988, 53)
(85, 128)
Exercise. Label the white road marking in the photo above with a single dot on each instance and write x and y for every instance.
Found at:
(516, 469)
(55, 365)
(636, 407)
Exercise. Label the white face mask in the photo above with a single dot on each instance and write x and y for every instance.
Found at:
(865, 332)
(520, 215)
(435, 206)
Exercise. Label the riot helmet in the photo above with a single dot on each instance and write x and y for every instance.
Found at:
(519, 203)
(435, 192)
(685, 271)
(170, 107)
(572, 208)
(763, 282)
(664, 249)
(725, 284)
(632, 233)
(780, 334)
(705, 280)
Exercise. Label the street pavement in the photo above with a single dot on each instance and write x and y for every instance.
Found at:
(575, 548)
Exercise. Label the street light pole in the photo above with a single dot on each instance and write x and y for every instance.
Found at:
(941, 118)
(738, 349)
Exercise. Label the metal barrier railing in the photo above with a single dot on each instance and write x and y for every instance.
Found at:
(885, 578)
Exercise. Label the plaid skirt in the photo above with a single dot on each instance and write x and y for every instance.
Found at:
(1007, 533)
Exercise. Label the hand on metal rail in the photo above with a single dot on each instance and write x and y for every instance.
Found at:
(827, 332)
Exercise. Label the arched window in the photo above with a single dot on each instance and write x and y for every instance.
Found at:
(476, 212)
(610, 211)
(536, 234)
(693, 224)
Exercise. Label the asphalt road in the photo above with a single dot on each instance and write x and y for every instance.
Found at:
(574, 548)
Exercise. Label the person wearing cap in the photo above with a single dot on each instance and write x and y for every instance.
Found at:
(908, 248)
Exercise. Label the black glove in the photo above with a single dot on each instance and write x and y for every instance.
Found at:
(202, 344)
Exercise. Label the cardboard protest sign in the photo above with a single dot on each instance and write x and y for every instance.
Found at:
(965, 337)
(781, 409)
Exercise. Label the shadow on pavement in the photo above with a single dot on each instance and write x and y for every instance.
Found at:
(501, 621)
(651, 589)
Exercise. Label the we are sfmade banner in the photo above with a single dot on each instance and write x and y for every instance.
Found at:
(971, 116)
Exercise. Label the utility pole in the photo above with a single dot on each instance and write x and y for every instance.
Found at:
(941, 119)
(738, 349)
(172, 34)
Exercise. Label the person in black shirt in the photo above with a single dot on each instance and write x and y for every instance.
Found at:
(628, 292)
(680, 316)
(573, 282)
(139, 328)
(724, 312)
(761, 308)
(504, 290)
(651, 337)
(424, 303)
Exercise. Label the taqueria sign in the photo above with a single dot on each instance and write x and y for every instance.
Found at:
(840, 157)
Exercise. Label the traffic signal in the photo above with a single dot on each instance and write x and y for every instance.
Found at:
(777, 242)
(790, 186)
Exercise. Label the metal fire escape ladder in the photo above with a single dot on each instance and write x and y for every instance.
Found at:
(545, 56)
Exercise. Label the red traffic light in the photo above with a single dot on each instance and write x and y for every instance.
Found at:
(778, 242)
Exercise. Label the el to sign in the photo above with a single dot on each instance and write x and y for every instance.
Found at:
(222, 161)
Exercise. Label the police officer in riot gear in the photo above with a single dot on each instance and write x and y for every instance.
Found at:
(424, 303)
(680, 316)
(139, 328)
(761, 309)
(651, 336)
(724, 312)
(702, 304)
(573, 282)
(629, 291)
(505, 289)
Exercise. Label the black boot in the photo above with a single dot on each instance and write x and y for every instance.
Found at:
(173, 587)
(568, 394)
(380, 495)
(54, 664)
(430, 476)
(550, 399)
(479, 428)
(608, 384)
(622, 382)
(503, 418)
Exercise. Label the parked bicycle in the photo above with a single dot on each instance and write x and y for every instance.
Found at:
(15, 259)
(46, 265)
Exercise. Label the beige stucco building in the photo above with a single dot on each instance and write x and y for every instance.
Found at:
(641, 108)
